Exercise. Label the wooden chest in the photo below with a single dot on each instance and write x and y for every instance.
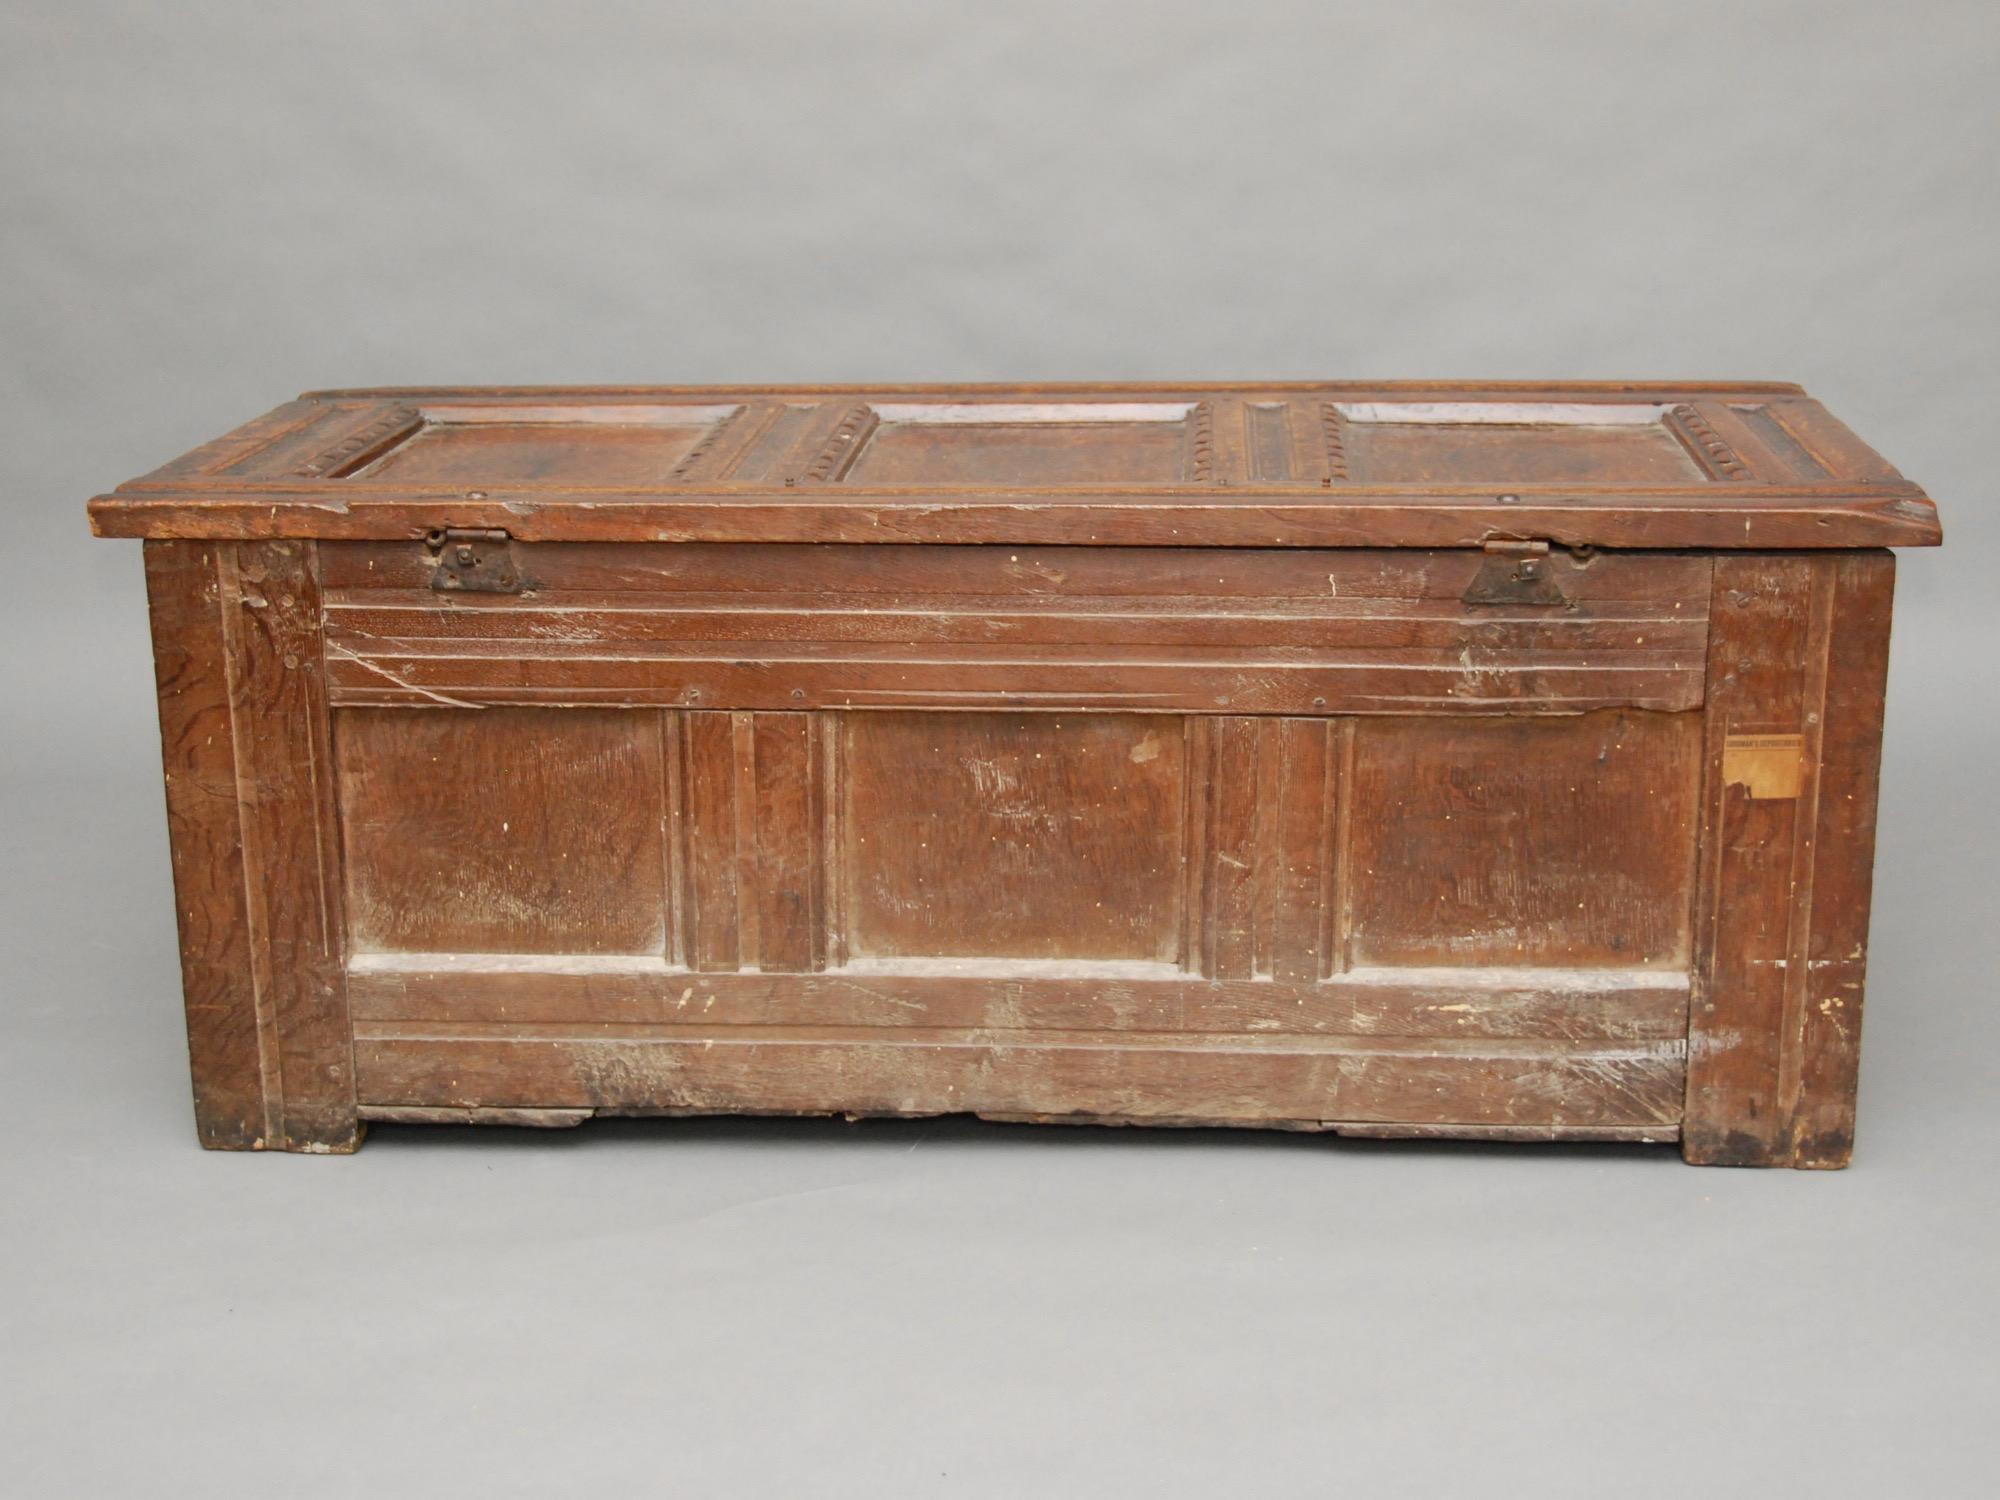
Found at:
(1484, 761)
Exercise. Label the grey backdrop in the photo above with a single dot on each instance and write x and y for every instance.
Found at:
(206, 207)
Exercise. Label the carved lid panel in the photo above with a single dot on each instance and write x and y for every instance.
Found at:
(1616, 465)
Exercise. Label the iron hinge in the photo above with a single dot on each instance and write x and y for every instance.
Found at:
(474, 562)
(1515, 573)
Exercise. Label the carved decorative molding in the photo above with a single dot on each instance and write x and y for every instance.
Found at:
(691, 463)
(842, 445)
(1201, 443)
(364, 443)
(1333, 427)
(1708, 448)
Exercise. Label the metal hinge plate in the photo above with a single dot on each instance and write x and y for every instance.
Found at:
(474, 562)
(1515, 573)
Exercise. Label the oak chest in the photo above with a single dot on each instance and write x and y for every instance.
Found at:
(1484, 761)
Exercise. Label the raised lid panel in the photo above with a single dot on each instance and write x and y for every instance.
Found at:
(1517, 442)
(551, 443)
(1008, 444)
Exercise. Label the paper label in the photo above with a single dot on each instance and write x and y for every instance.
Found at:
(1765, 765)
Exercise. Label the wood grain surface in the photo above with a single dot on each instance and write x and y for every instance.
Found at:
(1799, 654)
(1292, 632)
(1565, 842)
(1725, 466)
(1070, 823)
(244, 725)
(1493, 761)
(1305, 1083)
(510, 831)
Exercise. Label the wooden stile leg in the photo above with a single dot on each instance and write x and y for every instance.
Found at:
(1798, 657)
(245, 736)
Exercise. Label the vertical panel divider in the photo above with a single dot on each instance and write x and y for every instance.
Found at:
(815, 801)
(1229, 441)
(678, 949)
(1337, 903)
(777, 430)
(255, 882)
(786, 841)
(1267, 846)
(1303, 433)
(1268, 441)
(1195, 946)
(1300, 848)
(831, 779)
(1805, 827)
(743, 745)
(710, 817)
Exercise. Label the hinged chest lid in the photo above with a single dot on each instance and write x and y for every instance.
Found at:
(1663, 465)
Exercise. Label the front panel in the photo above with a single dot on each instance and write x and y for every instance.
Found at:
(1156, 836)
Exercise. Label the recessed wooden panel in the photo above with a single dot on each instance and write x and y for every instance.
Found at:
(1026, 445)
(504, 831)
(1562, 841)
(1514, 443)
(517, 444)
(1013, 836)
